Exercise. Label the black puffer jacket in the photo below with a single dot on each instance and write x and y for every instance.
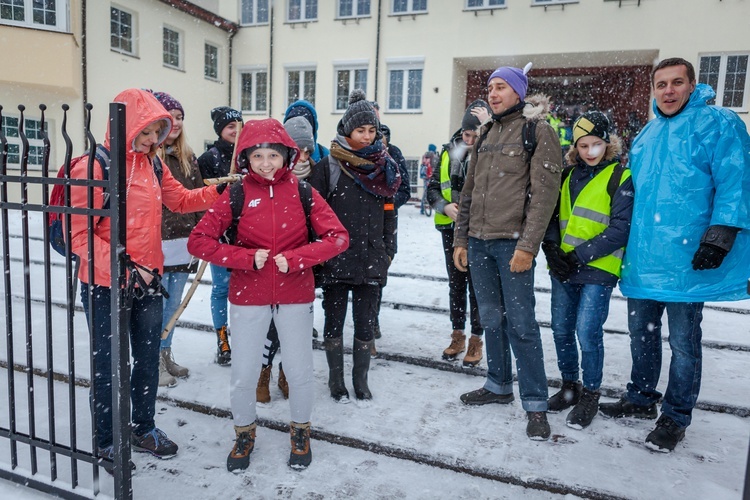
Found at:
(216, 161)
(371, 222)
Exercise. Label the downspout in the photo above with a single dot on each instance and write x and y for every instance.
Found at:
(231, 49)
(84, 62)
(377, 51)
(270, 62)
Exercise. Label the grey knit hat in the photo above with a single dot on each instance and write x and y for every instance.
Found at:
(359, 113)
(471, 122)
(300, 131)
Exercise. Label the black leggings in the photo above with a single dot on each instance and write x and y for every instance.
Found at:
(364, 310)
(458, 282)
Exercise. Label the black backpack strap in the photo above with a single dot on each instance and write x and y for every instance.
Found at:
(236, 202)
(614, 180)
(528, 134)
(158, 169)
(306, 197)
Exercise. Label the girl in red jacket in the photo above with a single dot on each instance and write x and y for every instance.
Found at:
(147, 126)
(271, 261)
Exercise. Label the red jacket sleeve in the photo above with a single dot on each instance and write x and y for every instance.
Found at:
(177, 198)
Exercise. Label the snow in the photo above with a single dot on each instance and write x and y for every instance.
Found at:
(415, 439)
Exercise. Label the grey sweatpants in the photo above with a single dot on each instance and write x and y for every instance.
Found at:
(249, 326)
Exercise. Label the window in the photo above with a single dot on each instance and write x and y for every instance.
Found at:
(412, 166)
(171, 47)
(254, 12)
(254, 90)
(727, 75)
(484, 4)
(409, 6)
(348, 79)
(122, 27)
(300, 84)
(353, 8)
(405, 85)
(302, 10)
(33, 131)
(210, 61)
(45, 14)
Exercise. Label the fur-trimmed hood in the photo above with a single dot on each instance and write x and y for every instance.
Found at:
(537, 107)
(614, 149)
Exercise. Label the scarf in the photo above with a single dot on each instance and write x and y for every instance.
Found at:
(302, 170)
(370, 167)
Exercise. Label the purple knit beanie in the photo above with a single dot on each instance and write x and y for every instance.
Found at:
(514, 77)
(169, 102)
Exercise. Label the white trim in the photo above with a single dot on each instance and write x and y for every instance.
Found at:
(133, 30)
(253, 69)
(180, 47)
(409, 9)
(485, 6)
(350, 68)
(404, 60)
(355, 7)
(255, 14)
(349, 63)
(62, 17)
(218, 48)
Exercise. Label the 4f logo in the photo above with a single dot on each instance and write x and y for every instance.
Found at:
(254, 203)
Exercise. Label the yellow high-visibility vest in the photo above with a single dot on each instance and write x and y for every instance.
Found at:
(445, 188)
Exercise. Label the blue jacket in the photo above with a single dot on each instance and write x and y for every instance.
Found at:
(690, 171)
(307, 110)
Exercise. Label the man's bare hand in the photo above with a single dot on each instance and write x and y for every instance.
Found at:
(521, 261)
(461, 259)
(451, 210)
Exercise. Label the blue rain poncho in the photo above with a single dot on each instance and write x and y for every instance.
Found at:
(690, 171)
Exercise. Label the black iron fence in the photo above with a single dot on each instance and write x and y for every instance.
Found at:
(48, 446)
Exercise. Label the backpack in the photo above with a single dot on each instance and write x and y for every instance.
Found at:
(57, 196)
(237, 202)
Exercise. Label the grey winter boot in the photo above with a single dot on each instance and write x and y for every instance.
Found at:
(335, 356)
(165, 378)
(361, 357)
(172, 367)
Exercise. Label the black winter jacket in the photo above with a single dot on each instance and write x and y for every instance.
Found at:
(216, 162)
(371, 222)
(458, 168)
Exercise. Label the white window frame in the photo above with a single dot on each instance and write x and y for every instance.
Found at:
(302, 69)
(723, 78)
(350, 66)
(133, 31)
(406, 65)
(409, 8)
(486, 5)
(547, 3)
(254, 21)
(302, 12)
(254, 71)
(61, 17)
(180, 51)
(35, 144)
(355, 10)
(217, 61)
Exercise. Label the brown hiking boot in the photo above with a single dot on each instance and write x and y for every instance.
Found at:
(301, 455)
(474, 352)
(262, 392)
(283, 384)
(458, 345)
(239, 457)
(223, 352)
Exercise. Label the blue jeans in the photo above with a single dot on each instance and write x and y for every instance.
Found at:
(644, 323)
(580, 310)
(219, 294)
(506, 310)
(145, 328)
(174, 283)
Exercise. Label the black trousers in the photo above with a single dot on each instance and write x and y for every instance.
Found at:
(458, 283)
(364, 310)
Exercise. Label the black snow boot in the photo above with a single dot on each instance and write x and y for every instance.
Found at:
(335, 356)
(584, 411)
(567, 396)
(665, 436)
(361, 356)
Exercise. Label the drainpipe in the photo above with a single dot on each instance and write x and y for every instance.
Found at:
(231, 49)
(269, 86)
(84, 62)
(377, 51)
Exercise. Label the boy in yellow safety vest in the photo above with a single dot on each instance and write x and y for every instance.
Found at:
(584, 246)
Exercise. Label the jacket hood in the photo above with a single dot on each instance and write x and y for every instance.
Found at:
(306, 109)
(698, 98)
(537, 107)
(141, 110)
(268, 131)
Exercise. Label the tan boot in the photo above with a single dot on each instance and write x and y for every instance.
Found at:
(458, 345)
(301, 455)
(474, 352)
(262, 392)
(165, 378)
(283, 384)
(239, 457)
(173, 368)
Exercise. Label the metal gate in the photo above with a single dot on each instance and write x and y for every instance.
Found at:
(46, 447)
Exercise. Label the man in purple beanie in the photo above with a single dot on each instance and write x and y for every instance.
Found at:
(506, 204)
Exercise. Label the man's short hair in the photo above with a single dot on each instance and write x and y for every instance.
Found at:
(674, 61)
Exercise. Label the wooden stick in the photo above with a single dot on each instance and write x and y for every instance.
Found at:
(221, 180)
(233, 165)
(185, 301)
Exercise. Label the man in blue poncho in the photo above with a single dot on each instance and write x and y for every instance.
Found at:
(689, 242)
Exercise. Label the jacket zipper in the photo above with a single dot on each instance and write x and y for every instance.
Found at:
(273, 243)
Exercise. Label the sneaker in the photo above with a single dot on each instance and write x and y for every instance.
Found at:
(538, 428)
(566, 397)
(483, 396)
(458, 345)
(223, 351)
(665, 436)
(262, 391)
(239, 458)
(624, 408)
(301, 455)
(283, 384)
(107, 459)
(155, 442)
(173, 368)
(474, 352)
(584, 411)
(165, 378)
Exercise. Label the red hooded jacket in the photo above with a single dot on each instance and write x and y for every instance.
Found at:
(144, 195)
(273, 218)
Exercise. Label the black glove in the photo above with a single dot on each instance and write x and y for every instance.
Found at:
(572, 259)
(556, 260)
(708, 256)
(221, 187)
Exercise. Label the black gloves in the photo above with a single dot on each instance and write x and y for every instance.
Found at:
(557, 260)
(708, 256)
(221, 187)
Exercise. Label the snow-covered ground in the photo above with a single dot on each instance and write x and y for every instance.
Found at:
(415, 439)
